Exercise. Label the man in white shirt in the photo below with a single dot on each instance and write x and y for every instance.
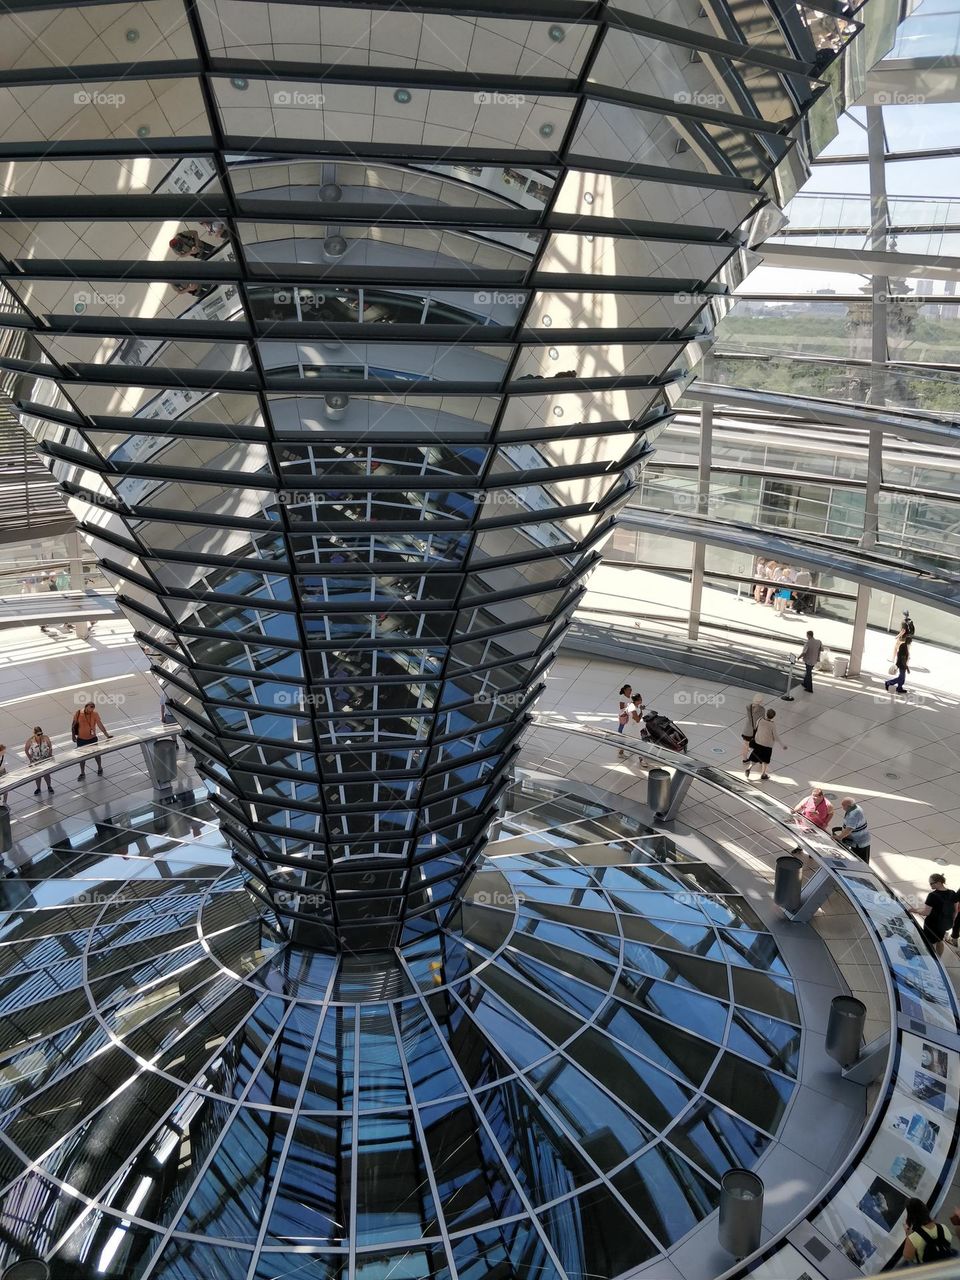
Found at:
(854, 833)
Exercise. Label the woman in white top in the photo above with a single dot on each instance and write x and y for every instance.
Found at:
(624, 710)
(763, 744)
(635, 722)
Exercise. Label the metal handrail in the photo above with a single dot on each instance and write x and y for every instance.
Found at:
(830, 858)
(949, 1270)
(68, 757)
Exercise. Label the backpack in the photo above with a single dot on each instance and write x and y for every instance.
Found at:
(936, 1248)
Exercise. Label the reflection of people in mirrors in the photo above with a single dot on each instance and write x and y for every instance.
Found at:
(188, 244)
(934, 1059)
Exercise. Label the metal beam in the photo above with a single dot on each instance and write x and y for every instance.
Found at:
(828, 413)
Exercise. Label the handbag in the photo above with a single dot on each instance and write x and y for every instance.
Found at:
(893, 669)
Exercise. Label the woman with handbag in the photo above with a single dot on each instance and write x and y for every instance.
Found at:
(755, 711)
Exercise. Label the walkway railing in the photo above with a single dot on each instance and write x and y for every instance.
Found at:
(67, 756)
(907, 1145)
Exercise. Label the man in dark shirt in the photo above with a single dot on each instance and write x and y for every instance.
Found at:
(938, 913)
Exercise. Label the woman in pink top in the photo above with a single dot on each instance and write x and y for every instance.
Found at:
(816, 808)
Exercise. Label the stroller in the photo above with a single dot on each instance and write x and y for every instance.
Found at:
(662, 731)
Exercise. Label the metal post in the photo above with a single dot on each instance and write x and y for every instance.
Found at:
(869, 1067)
(658, 789)
(741, 1212)
(879, 232)
(787, 882)
(161, 760)
(680, 784)
(860, 615)
(704, 461)
(75, 552)
(814, 894)
(845, 1029)
(791, 667)
(6, 838)
(27, 1269)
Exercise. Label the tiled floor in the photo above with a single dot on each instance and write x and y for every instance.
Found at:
(899, 757)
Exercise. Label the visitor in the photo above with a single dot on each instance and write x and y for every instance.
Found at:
(624, 710)
(38, 748)
(755, 710)
(188, 244)
(926, 1239)
(802, 600)
(759, 572)
(900, 662)
(773, 577)
(83, 730)
(810, 656)
(763, 743)
(907, 626)
(816, 808)
(784, 594)
(634, 726)
(855, 833)
(939, 913)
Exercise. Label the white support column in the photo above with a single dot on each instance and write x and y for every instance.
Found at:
(703, 509)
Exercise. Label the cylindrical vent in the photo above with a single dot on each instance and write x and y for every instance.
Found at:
(786, 885)
(658, 790)
(27, 1269)
(335, 405)
(741, 1211)
(845, 1029)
